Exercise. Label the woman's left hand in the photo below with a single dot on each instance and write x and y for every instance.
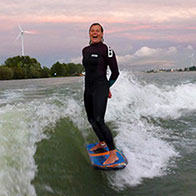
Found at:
(109, 94)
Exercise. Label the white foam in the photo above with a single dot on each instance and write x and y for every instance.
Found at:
(143, 143)
(150, 100)
(8, 96)
(16, 152)
(22, 125)
(148, 156)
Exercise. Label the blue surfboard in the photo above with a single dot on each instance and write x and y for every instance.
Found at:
(99, 156)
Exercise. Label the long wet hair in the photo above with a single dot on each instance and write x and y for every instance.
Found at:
(100, 27)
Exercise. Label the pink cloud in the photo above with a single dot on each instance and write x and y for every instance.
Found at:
(77, 19)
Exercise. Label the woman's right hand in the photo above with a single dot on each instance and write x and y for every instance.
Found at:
(109, 94)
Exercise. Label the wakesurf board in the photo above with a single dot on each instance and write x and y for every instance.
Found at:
(99, 156)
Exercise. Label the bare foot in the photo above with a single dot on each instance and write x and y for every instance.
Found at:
(98, 146)
(112, 158)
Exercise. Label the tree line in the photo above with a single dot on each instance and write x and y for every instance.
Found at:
(25, 67)
(192, 68)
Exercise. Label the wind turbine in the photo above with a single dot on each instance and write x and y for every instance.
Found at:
(21, 34)
(192, 58)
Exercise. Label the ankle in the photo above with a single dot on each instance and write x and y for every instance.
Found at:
(102, 143)
(113, 151)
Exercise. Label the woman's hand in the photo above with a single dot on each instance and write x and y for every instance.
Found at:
(109, 94)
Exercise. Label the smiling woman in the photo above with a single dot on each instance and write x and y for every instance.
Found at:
(96, 33)
(96, 57)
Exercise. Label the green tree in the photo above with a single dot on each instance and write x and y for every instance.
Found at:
(19, 73)
(24, 67)
(58, 69)
(6, 73)
(45, 72)
(193, 68)
(74, 69)
(13, 61)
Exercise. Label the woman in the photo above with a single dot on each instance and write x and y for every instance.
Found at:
(96, 57)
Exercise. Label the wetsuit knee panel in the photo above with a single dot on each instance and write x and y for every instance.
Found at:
(91, 121)
(99, 120)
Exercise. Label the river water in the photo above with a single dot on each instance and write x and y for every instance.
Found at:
(44, 129)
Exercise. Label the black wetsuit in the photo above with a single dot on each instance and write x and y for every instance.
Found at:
(96, 58)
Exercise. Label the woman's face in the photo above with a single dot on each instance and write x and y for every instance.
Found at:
(95, 34)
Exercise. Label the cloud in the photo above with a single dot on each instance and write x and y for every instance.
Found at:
(146, 51)
(172, 50)
(122, 11)
(150, 56)
(76, 60)
(190, 47)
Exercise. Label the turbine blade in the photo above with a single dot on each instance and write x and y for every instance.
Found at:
(18, 36)
(29, 32)
(20, 27)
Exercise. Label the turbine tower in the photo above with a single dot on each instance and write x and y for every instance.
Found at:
(192, 59)
(21, 34)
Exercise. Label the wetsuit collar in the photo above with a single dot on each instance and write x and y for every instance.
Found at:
(95, 44)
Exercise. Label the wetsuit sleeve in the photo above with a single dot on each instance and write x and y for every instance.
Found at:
(83, 55)
(111, 60)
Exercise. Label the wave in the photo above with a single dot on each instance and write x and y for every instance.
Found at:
(22, 126)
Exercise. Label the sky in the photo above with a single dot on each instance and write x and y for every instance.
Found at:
(143, 34)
